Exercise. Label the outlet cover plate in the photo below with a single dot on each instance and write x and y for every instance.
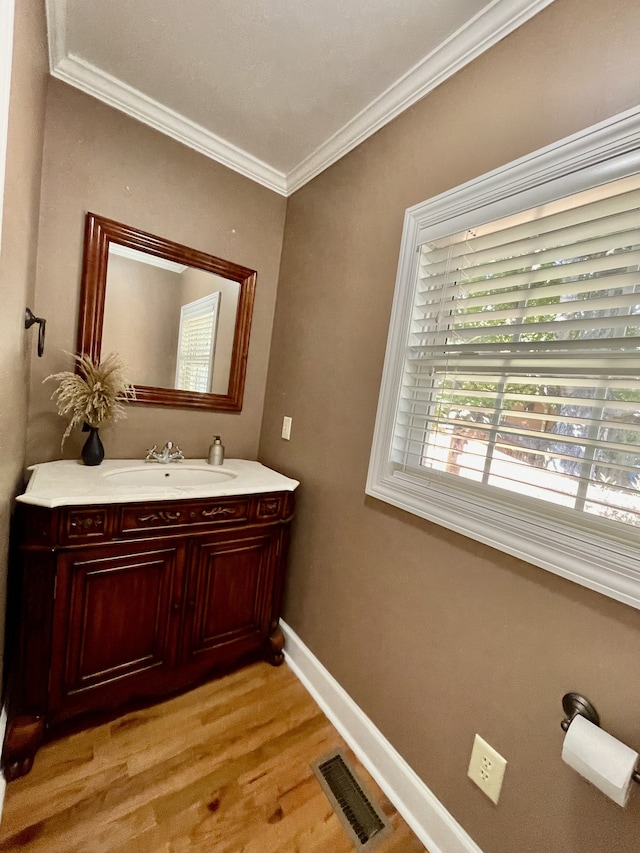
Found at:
(486, 768)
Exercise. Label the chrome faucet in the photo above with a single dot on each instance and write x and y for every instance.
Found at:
(169, 453)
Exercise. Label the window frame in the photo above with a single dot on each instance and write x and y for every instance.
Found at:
(206, 306)
(591, 554)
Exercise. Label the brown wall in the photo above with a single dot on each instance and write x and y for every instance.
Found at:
(97, 159)
(435, 636)
(18, 253)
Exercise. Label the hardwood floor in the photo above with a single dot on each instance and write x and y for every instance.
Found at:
(222, 769)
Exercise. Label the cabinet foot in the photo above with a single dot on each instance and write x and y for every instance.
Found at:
(23, 739)
(275, 645)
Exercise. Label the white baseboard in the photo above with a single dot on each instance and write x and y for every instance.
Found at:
(420, 808)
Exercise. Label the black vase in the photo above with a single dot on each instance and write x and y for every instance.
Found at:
(93, 449)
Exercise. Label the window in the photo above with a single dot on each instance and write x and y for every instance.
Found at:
(521, 369)
(510, 402)
(196, 343)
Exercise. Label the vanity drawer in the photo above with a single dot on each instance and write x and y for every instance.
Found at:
(170, 516)
(79, 525)
(270, 506)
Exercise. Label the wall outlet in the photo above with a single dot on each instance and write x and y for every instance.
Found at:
(486, 768)
(286, 428)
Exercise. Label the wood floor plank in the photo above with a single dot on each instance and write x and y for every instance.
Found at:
(224, 768)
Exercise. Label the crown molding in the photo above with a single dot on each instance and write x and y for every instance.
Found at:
(93, 81)
(490, 25)
(86, 77)
(56, 30)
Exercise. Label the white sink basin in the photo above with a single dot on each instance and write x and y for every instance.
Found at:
(169, 476)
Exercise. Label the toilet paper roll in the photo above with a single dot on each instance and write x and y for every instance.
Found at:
(600, 758)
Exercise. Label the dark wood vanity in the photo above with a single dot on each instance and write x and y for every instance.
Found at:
(128, 602)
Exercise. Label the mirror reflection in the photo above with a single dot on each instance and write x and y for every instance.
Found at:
(189, 343)
(179, 318)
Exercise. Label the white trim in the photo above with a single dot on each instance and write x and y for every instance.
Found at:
(6, 53)
(494, 22)
(93, 81)
(86, 77)
(588, 555)
(56, 30)
(489, 26)
(420, 808)
(609, 149)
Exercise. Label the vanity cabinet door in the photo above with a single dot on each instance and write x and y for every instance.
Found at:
(115, 626)
(230, 596)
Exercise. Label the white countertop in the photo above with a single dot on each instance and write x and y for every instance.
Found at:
(69, 482)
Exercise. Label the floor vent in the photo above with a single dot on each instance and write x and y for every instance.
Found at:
(364, 822)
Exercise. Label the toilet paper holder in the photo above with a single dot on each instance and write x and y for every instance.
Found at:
(575, 705)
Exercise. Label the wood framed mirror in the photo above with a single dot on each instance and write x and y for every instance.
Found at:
(179, 318)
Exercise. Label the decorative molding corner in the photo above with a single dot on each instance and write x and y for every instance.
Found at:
(494, 22)
(420, 808)
(489, 26)
(108, 89)
(86, 77)
(56, 30)
(6, 52)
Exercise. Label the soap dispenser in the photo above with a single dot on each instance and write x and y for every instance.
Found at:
(216, 452)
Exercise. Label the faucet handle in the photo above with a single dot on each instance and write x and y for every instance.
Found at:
(169, 453)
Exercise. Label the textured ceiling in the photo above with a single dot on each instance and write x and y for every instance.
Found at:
(277, 89)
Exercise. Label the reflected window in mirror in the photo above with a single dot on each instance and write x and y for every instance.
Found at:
(197, 340)
(179, 318)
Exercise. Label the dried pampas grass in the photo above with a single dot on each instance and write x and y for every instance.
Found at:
(95, 394)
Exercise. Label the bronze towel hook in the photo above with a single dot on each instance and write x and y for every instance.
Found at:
(30, 319)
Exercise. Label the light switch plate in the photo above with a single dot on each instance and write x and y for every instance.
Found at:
(286, 428)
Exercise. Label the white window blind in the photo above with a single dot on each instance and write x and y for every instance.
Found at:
(196, 344)
(522, 365)
(509, 406)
